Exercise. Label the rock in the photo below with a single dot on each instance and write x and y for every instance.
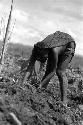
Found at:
(13, 119)
(81, 107)
(81, 122)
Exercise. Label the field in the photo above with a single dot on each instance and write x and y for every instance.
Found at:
(22, 104)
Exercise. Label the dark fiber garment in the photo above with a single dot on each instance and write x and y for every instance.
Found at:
(53, 40)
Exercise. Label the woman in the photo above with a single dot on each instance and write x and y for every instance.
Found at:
(58, 49)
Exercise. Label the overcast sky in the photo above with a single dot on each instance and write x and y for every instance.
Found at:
(35, 19)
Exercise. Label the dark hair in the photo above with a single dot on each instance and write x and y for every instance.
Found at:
(39, 54)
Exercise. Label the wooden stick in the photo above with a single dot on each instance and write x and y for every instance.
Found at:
(5, 39)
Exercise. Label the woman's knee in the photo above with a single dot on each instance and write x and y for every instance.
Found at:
(59, 72)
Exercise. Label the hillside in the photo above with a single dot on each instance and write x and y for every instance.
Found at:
(25, 104)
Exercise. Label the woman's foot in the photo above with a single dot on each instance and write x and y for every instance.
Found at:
(40, 88)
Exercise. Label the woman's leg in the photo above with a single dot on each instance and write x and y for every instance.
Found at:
(63, 62)
(63, 84)
(50, 69)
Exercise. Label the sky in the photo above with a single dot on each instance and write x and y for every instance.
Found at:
(33, 20)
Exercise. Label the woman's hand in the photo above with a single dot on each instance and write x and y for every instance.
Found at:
(27, 76)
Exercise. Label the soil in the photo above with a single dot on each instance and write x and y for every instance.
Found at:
(23, 104)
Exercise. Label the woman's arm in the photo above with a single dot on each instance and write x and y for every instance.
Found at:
(30, 67)
(50, 69)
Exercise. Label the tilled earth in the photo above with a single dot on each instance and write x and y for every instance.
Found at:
(25, 105)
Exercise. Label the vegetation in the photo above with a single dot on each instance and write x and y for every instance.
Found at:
(24, 105)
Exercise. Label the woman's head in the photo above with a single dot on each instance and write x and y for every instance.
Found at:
(42, 54)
